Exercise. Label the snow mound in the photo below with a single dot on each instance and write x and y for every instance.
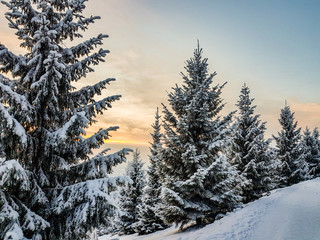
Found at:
(289, 213)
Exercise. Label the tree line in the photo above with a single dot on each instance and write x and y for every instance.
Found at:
(202, 164)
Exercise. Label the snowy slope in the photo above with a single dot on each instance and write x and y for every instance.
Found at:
(291, 213)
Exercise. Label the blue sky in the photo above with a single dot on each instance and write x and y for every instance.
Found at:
(266, 42)
(273, 46)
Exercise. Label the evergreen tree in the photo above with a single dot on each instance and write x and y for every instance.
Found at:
(149, 218)
(250, 151)
(287, 145)
(310, 153)
(131, 195)
(199, 183)
(50, 187)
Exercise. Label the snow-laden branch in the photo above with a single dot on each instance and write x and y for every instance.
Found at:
(86, 94)
(62, 133)
(81, 68)
(16, 217)
(82, 49)
(100, 165)
(9, 219)
(32, 221)
(62, 5)
(20, 15)
(11, 173)
(8, 82)
(84, 22)
(10, 61)
(81, 203)
(70, 196)
(67, 28)
(98, 107)
(96, 140)
(13, 124)
(8, 95)
(169, 117)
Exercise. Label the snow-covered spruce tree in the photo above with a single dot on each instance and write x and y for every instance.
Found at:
(148, 212)
(49, 186)
(199, 182)
(250, 151)
(287, 146)
(131, 194)
(309, 156)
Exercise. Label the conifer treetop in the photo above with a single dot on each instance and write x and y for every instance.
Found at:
(289, 135)
(192, 158)
(250, 151)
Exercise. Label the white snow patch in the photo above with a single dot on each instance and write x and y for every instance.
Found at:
(289, 213)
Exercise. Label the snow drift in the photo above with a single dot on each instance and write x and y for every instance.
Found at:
(289, 213)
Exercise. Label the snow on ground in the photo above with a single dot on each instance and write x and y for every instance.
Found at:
(291, 213)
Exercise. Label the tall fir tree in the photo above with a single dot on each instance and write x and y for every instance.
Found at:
(199, 183)
(287, 146)
(309, 148)
(148, 214)
(131, 195)
(50, 187)
(250, 151)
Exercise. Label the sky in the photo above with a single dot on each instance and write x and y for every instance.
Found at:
(272, 46)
